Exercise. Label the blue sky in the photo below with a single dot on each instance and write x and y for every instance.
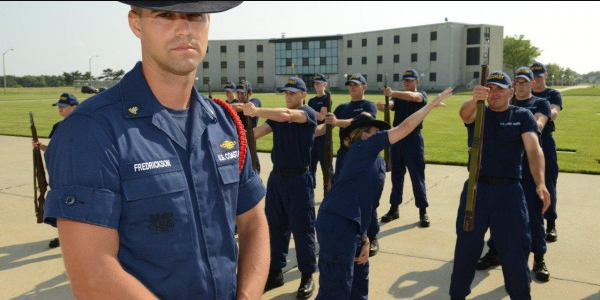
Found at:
(53, 37)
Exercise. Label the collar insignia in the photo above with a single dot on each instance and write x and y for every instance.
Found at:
(133, 110)
(228, 145)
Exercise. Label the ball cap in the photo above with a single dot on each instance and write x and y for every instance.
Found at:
(320, 78)
(186, 6)
(364, 119)
(65, 100)
(240, 86)
(356, 78)
(229, 87)
(294, 84)
(500, 79)
(538, 69)
(410, 74)
(525, 73)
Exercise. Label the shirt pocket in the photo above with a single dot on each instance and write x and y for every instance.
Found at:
(157, 215)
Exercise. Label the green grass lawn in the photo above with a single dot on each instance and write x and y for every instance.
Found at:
(445, 136)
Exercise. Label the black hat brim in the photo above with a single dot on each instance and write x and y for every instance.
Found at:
(376, 123)
(186, 6)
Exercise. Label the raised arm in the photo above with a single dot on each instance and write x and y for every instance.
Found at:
(407, 126)
(468, 109)
(276, 114)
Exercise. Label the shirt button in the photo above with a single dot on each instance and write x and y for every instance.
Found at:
(70, 200)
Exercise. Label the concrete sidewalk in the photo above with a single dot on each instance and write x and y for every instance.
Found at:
(413, 263)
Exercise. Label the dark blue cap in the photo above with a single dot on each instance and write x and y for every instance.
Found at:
(229, 87)
(294, 84)
(65, 100)
(538, 69)
(320, 78)
(356, 78)
(524, 72)
(240, 86)
(500, 79)
(363, 119)
(186, 6)
(410, 74)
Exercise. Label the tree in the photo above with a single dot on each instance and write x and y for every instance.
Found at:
(109, 74)
(71, 77)
(519, 52)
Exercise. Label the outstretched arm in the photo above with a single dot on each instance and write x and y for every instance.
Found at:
(276, 114)
(407, 126)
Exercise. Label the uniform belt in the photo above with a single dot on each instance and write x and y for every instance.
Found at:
(290, 172)
(497, 180)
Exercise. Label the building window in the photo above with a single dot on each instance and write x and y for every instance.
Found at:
(476, 75)
(396, 58)
(305, 61)
(413, 57)
(288, 46)
(305, 45)
(206, 80)
(260, 64)
(259, 48)
(396, 77)
(323, 61)
(473, 36)
(396, 39)
(364, 42)
(323, 44)
(432, 76)
(414, 37)
(380, 41)
(379, 77)
(223, 65)
(473, 56)
(433, 36)
(205, 65)
(241, 48)
(223, 49)
(379, 59)
(242, 64)
(349, 61)
(223, 80)
(364, 60)
(260, 79)
(288, 62)
(433, 56)
(349, 44)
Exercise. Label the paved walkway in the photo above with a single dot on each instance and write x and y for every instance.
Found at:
(413, 263)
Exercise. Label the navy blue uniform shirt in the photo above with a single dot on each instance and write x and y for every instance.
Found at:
(350, 110)
(554, 97)
(502, 134)
(360, 181)
(536, 105)
(317, 103)
(292, 142)
(403, 109)
(120, 161)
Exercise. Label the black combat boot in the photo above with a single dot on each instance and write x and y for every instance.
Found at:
(54, 243)
(373, 246)
(539, 268)
(307, 286)
(551, 234)
(274, 280)
(490, 259)
(423, 218)
(391, 215)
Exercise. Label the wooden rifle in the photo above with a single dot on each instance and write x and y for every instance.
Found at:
(476, 147)
(386, 118)
(250, 134)
(40, 184)
(209, 91)
(328, 148)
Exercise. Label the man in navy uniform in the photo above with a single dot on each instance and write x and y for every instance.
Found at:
(229, 90)
(540, 108)
(319, 104)
(548, 144)
(242, 97)
(507, 133)
(409, 153)
(147, 185)
(342, 117)
(290, 201)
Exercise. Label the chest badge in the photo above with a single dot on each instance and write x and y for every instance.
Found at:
(133, 110)
(228, 145)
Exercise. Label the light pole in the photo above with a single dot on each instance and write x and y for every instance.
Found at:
(562, 79)
(4, 68)
(90, 62)
(552, 80)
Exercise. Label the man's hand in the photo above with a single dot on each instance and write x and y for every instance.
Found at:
(330, 119)
(364, 253)
(250, 110)
(544, 196)
(480, 93)
(388, 92)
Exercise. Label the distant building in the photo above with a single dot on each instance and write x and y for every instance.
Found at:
(445, 54)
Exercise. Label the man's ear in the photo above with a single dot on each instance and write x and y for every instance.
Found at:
(134, 23)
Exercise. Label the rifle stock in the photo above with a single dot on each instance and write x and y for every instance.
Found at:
(209, 91)
(250, 135)
(328, 145)
(475, 158)
(39, 176)
(386, 118)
